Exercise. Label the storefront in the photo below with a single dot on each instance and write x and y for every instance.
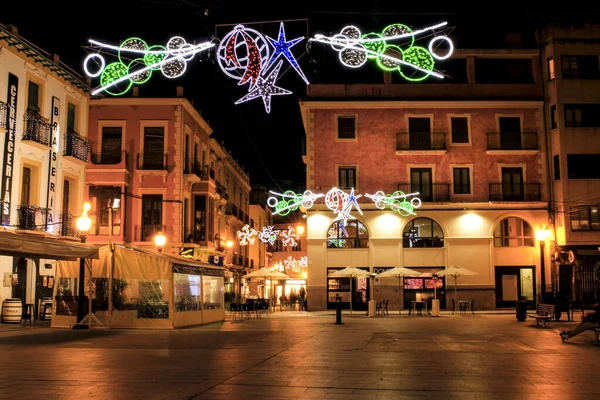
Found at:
(424, 288)
(355, 291)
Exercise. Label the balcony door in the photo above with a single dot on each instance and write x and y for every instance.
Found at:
(111, 145)
(512, 184)
(151, 216)
(419, 131)
(154, 147)
(421, 182)
(510, 133)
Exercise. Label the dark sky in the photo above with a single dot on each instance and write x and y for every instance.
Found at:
(268, 146)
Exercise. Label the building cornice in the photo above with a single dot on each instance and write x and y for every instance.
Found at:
(399, 104)
(154, 101)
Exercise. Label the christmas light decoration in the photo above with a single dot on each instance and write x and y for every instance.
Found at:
(396, 202)
(244, 54)
(341, 203)
(413, 63)
(268, 235)
(282, 48)
(290, 237)
(290, 201)
(247, 235)
(266, 88)
(118, 77)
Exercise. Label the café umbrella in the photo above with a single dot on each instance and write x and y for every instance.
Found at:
(350, 272)
(399, 273)
(267, 273)
(455, 271)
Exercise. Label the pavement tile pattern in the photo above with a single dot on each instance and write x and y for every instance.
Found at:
(304, 355)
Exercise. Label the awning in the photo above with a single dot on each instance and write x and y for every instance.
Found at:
(35, 245)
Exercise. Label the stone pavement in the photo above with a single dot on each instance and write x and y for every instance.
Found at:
(300, 355)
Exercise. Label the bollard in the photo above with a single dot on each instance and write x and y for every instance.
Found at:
(338, 310)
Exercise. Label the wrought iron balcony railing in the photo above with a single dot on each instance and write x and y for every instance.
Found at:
(109, 158)
(192, 166)
(434, 193)
(222, 191)
(75, 146)
(37, 129)
(146, 232)
(4, 115)
(152, 161)
(515, 192)
(512, 141)
(231, 209)
(420, 141)
(32, 218)
(68, 226)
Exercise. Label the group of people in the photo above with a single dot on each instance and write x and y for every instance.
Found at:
(295, 297)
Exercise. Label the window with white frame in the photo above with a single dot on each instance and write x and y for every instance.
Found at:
(347, 177)
(461, 180)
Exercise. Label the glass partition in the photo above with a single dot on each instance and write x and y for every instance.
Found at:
(212, 291)
(150, 298)
(187, 292)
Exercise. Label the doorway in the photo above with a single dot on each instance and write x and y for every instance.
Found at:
(515, 283)
(510, 133)
(19, 287)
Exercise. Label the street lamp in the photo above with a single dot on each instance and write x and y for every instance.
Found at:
(84, 224)
(300, 229)
(541, 235)
(159, 240)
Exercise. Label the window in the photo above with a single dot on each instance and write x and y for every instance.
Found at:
(585, 218)
(154, 142)
(462, 181)
(71, 117)
(583, 166)
(513, 232)
(100, 198)
(26, 187)
(460, 129)
(33, 97)
(580, 67)
(556, 167)
(347, 127)
(582, 115)
(551, 74)
(421, 182)
(352, 235)
(553, 117)
(110, 152)
(422, 232)
(347, 177)
(151, 216)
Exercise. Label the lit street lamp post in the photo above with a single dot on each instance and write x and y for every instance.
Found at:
(159, 240)
(83, 225)
(541, 235)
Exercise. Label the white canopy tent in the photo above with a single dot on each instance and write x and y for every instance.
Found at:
(133, 288)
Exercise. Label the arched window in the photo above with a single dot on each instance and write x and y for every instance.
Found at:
(422, 232)
(350, 236)
(513, 232)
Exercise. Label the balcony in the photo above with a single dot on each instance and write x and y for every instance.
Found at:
(67, 225)
(152, 161)
(222, 191)
(231, 209)
(32, 218)
(434, 193)
(38, 130)
(192, 171)
(3, 116)
(515, 192)
(512, 141)
(418, 142)
(75, 146)
(113, 159)
(146, 232)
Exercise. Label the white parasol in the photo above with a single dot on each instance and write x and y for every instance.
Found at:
(267, 273)
(455, 271)
(399, 273)
(350, 272)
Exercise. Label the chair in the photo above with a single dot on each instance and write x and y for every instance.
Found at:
(28, 313)
(378, 307)
(46, 310)
(385, 307)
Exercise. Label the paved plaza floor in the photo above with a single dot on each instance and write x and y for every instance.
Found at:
(299, 355)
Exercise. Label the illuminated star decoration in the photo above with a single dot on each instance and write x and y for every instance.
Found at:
(246, 235)
(341, 203)
(396, 202)
(267, 234)
(412, 62)
(282, 48)
(266, 88)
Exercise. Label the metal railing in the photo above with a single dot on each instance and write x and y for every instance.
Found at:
(222, 191)
(152, 161)
(68, 226)
(515, 192)
(192, 166)
(76, 146)
(109, 158)
(146, 232)
(512, 141)
(37, 129)
(32, 218)
(436, 192)
(420, 141)
(4, 115)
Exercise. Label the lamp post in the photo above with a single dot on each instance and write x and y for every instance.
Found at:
(541, 235)
(159, 240)
(83, 225)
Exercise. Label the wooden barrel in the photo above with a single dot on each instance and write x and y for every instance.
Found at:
(43, 302)
(12, 311)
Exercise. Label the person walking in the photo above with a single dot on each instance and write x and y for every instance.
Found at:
(590, 322)
(301, 296)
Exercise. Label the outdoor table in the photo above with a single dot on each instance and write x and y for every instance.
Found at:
(414, 306)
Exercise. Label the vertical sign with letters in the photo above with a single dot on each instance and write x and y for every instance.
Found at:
(9, 146)
(53, 166)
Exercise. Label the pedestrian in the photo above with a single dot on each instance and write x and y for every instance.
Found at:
(590, 322)
(301, 295)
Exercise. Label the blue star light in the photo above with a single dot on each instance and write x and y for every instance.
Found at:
(265, 88)
(282, 47)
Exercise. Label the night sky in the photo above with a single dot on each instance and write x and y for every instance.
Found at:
(267, 146)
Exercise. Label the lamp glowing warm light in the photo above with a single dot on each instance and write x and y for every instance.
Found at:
(542, 234)
(84, 223)
(300, 229)
(229, 244)
(159, 240)
(87, 206)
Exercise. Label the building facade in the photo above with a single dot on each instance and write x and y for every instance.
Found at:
(43, 125)
(473, 151)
